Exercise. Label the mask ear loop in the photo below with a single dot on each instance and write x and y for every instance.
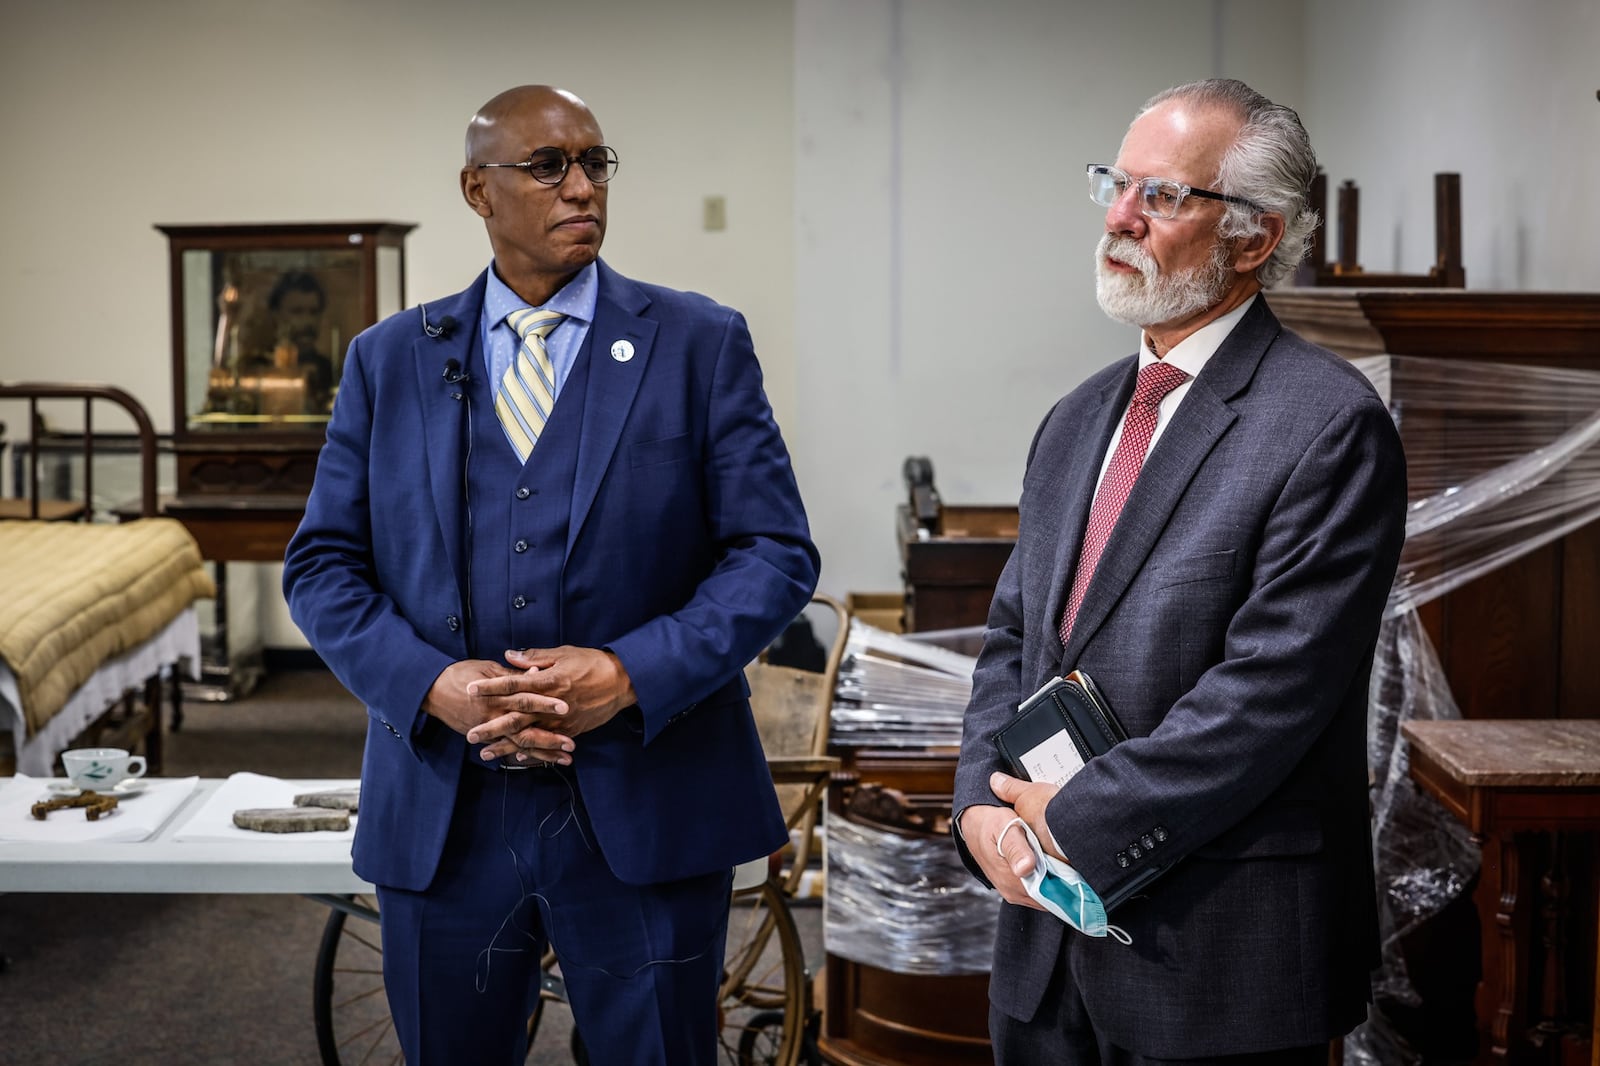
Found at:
(1006, 829)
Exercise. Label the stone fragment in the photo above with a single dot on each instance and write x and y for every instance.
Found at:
(338, 799)
(290, 819)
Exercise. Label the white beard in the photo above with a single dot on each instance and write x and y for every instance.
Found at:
(1151, 298)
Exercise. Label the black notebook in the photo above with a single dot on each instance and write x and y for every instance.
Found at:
(1058, 729)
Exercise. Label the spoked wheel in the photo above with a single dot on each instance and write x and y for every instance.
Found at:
(761, 1039)
(765, 993)
(352, 1014)
(348, 1001)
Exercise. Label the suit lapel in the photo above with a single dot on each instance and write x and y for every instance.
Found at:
(1079, 472)
(444, 416)
(614, 379)
(1197, 425)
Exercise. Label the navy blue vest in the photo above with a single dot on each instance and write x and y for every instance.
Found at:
(517, 518)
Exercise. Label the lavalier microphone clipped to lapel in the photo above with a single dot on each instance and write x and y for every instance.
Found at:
(446, 324)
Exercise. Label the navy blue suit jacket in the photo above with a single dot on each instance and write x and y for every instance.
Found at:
(1230, 625)
(688, 551)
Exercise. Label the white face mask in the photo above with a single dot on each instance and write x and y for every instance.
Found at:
(1059, 889)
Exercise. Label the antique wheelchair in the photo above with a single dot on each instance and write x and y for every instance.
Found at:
(766, 1013)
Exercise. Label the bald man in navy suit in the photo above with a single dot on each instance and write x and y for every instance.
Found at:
(1229, 621)
(550, 645)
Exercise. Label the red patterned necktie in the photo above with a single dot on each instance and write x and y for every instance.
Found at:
(1155, 381)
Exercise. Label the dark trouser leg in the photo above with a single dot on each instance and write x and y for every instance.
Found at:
(1059, 1033)
(641, 963)
(461, 959)
(1315, 1055)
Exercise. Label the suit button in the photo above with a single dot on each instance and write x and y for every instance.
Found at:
(452, 622)
(1148, 841)
(519, 603)
(520, 546)
(1136, 851)
(1122, 859)
(1160, 833)
(523, 493)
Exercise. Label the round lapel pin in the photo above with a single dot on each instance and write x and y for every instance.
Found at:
(622, 351)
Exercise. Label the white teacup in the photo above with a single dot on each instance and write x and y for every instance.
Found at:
(101, 769)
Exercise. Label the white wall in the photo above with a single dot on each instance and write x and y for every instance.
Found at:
(118, 116)
(944, 292)
(1502, 93)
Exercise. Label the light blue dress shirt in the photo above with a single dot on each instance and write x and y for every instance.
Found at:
(576, 299)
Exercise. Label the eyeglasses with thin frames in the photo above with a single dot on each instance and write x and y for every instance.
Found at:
(548, 166)
(1158, 197)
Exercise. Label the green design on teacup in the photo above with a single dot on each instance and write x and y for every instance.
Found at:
(97, 771)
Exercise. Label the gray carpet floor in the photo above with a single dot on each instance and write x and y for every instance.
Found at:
(172, 980)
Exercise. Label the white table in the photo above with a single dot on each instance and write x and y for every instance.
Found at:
(312, 867)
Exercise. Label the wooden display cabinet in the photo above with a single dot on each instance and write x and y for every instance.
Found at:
(261, 316)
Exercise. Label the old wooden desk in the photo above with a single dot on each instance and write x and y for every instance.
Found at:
(1503, 778)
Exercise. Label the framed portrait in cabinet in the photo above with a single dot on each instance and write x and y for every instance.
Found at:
(261, 317)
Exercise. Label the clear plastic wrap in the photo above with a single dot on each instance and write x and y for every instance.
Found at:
(903, 902)
(1501, 460)
(901, 691)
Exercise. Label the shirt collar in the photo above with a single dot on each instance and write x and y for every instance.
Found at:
(576, 299)
(1192, 353)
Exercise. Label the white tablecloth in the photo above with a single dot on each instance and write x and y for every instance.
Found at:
(137, 817)
(213, 822)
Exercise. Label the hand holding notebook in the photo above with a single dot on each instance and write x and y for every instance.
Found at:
(1058, 729)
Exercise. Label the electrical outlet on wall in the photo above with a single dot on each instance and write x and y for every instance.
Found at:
(716, 213)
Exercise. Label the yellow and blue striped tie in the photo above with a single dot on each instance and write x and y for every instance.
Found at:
(528, 390)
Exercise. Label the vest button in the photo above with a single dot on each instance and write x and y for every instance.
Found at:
(519, 603)
(523, 493)
(452, 622)
(1122, 859)
(520, 546)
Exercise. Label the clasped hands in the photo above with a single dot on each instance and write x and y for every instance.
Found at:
(533, 708)
(1001, 847)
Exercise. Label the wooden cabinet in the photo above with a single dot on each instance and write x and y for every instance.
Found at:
(261, 317)
(1518, 642)
(950, 574)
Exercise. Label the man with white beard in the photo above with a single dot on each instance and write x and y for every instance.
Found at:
(1208, 531)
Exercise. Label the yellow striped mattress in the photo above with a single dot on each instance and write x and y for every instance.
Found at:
(73, 595)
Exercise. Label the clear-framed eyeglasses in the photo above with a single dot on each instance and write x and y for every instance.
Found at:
(548, 166)
(1158, 197)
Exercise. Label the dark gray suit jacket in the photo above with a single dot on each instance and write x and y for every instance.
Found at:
(1230, 625)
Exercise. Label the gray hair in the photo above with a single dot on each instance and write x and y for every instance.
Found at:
(1270, 163)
